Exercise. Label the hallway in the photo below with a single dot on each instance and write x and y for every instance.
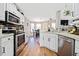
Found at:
(33, 49)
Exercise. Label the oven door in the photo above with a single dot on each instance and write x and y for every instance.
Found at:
(20, 38)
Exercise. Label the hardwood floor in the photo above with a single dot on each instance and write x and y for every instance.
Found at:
(33, 49)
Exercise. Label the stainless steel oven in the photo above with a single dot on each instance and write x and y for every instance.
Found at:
(20, 38)
(11, 18)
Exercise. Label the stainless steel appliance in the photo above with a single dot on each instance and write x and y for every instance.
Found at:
(11, 18)
(66, 46)
(64, 22)
(20, 38)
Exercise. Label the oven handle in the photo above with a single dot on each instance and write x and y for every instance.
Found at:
(20, 34)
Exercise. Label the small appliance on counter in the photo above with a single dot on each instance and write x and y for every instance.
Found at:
(73, 30)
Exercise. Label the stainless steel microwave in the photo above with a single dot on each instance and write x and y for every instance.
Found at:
(11, 18)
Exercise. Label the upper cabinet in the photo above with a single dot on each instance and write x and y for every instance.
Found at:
(76, 9)
(2, 11)
(11, 7)
(22, 19)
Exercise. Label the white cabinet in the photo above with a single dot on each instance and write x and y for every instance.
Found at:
(54, 42)
(76, 9)
(22, 19)
(11, 7)
(49, 41)
(42, 39)
(77, 47)
(7, 47)
(2, 11)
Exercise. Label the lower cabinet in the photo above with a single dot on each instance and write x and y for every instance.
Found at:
(42, 39)
(7, 48)
(54, 43)
(77, 47)
(49, 41)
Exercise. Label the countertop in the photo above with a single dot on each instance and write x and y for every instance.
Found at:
(6, 35)
(73, 36)
(65, 33)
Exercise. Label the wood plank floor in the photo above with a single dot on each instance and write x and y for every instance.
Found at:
(33, 49)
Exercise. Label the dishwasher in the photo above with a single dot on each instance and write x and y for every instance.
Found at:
(66, 46)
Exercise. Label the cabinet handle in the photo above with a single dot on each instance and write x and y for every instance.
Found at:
(3, 49)
(48, 39)
(43, 38)
(8, 38)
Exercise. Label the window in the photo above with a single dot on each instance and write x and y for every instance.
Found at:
(32, 27)
(53, 25)
(38, 26)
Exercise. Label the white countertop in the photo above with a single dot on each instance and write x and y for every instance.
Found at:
(73, 36)
(64, 33)
(6, 35)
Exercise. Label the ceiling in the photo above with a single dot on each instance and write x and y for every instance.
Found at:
(41, 11)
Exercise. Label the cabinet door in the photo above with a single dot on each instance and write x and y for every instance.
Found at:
(41, 39)
(77, 47)
(47, 41)
(77, 44)
(54, 42)
(2, 11)
(22, 18)
(4, 49)
(11, 8)
(76, 9)
(10, 46)
(7, 46)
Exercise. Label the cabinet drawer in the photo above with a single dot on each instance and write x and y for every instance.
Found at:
(3, 40)
(11, 37)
